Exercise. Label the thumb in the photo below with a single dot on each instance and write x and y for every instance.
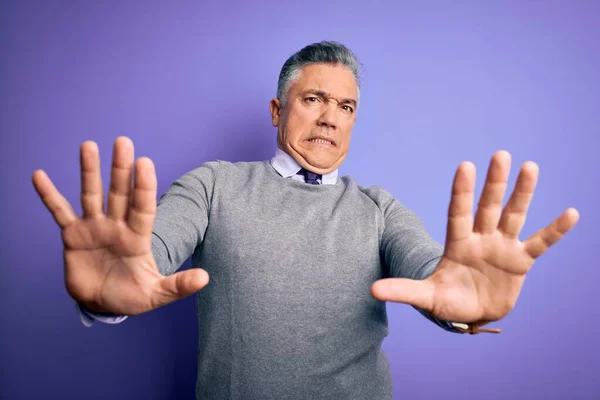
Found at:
(408, 291)
(178, 286)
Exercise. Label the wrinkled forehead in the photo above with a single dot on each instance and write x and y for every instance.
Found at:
(335, 80)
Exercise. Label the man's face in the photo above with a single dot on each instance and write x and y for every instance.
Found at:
(321, 103)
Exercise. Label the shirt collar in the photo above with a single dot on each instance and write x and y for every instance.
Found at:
(286, 166)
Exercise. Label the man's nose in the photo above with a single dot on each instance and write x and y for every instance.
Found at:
(328, 117)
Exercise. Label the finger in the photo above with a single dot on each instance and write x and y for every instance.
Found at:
(55, 202)
(178, 286)
(418, 293)
(515, 212)
(91, 180)
(460, 211)
(120, 178)
(541, 241)
(490, 203)
(142, 210)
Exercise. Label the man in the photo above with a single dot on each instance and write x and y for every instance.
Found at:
(301, 261)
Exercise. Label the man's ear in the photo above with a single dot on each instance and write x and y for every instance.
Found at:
(275, 109)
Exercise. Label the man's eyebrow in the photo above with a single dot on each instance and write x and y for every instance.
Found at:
(348, 101)
(316, 92)
(323, 94)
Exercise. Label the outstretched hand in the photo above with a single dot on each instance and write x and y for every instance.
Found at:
(480, 275)
(108, 260)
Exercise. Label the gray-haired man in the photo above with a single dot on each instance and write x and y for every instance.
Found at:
(301, 260)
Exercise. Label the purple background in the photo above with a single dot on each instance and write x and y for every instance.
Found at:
(444, 82)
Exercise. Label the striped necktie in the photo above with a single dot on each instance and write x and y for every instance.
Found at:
(310, 177)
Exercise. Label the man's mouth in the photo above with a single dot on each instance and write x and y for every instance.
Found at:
(326, 142)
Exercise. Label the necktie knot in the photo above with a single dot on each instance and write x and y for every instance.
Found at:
(310, 177)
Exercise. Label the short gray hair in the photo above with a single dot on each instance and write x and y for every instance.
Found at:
(325, 52)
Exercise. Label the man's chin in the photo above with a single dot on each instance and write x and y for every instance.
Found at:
(318, 165)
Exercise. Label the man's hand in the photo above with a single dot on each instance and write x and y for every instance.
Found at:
(108, 258)
(480, 275)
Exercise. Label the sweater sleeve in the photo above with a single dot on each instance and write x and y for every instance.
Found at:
(406, 247)
(182, 217)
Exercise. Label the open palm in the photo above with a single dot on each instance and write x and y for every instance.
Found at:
(480, 275)
(108, 260)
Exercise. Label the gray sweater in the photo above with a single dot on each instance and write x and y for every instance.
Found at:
(288, 312)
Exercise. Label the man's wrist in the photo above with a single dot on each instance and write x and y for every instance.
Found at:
(92, 307)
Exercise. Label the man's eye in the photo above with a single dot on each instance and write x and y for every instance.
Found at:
(311, 99)
(347, 108)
